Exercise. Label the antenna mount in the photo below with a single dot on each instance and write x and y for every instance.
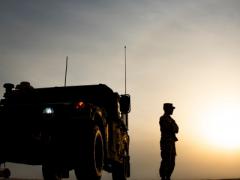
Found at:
(65, 80)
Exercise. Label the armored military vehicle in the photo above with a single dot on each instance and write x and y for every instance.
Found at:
(80, 128)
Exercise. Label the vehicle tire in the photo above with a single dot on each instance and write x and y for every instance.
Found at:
(121, 171)
(5, 172)
(118, 172)
(92, 165)
(50, 173)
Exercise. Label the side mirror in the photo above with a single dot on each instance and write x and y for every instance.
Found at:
(125, 103)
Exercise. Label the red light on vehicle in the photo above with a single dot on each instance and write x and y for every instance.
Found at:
(80, 105)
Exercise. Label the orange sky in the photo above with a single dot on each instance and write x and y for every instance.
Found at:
(185, 52)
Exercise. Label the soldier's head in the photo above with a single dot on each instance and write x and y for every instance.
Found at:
(168, 108)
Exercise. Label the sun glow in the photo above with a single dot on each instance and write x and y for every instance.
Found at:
(220, 126)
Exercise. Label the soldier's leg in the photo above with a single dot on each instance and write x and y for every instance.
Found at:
(171, 163)
(162, 162)
(168, 168)
(165, 164)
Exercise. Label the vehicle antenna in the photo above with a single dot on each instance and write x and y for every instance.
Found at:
(125, 53)
(65, 81)
(125, 58)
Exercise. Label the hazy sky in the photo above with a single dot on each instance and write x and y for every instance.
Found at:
(180, 51)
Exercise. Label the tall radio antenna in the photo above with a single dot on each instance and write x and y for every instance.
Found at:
(125, 54)
(65, 80)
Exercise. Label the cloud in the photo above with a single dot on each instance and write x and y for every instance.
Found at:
(174, 48)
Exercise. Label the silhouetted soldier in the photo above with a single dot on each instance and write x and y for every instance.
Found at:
(168, 129)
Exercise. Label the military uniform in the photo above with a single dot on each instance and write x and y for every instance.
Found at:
(168, 128)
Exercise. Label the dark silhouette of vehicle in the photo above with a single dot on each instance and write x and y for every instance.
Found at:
(80, 128)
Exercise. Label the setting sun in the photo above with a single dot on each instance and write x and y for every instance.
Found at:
(221, 126)
(182, 52)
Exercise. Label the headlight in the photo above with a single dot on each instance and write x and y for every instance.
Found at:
(48, 110)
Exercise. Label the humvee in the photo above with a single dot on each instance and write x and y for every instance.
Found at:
(81, 128)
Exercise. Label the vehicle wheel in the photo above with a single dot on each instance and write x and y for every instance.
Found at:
(50, 173)
(5, 173)
(118, 172)
(121, 170)
(93, 157)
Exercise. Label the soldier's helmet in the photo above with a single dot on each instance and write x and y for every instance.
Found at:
(168, 106)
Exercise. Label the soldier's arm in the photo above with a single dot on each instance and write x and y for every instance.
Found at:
(175, 127)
